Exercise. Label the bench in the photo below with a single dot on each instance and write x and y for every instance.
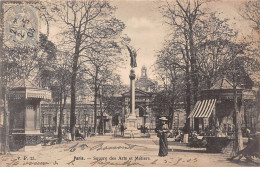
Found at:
(49, 138)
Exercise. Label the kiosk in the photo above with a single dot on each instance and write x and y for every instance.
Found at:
(214, 114)
(25, 114)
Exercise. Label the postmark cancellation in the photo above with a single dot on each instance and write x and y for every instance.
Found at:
(21, 24)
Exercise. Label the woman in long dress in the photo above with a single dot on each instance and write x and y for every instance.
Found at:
(162, 134)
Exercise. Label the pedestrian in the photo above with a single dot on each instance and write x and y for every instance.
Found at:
(132, 134)
(115, 131)
(162, 134)
(249, 135)
(78, 135)
(122, 129)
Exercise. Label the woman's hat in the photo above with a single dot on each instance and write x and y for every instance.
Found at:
(163, 118)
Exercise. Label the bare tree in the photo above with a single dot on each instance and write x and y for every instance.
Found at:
(60, 82)
(207, 48)
(170, 69)
(183, 17)
(87, 24)
(213, 48)
(100, 70)
(250, 10)
(200, 45)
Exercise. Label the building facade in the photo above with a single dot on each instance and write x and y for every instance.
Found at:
(143, 109)
(144, 83)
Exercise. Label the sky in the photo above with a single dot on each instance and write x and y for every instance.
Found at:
(145, 27)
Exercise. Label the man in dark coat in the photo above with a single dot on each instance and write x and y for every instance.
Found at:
(122, 129)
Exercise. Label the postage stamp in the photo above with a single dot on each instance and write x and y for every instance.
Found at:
(21, 24)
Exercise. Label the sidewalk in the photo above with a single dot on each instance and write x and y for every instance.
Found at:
(111, 151)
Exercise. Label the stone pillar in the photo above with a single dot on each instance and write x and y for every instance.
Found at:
(132, 93)
(131, 121)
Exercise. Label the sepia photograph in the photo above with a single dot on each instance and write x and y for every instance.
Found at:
(130, 83)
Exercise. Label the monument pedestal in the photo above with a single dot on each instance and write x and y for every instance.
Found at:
(131, 125)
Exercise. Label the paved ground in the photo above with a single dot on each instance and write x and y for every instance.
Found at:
(110, 151)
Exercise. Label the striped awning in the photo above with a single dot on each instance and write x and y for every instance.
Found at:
(203, 108)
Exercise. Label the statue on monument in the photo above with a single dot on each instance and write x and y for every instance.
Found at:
(131, 120)
(133, 56)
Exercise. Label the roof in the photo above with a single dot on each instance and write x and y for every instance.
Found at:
(25, 88)
(223, 83)
(137, 93)
(24, 83)
(144, 81)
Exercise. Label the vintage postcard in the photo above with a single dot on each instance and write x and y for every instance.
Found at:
(130, 83)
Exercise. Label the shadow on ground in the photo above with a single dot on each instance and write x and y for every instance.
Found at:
(190, 150)
(245, 162)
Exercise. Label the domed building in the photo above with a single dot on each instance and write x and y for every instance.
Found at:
(144, 83)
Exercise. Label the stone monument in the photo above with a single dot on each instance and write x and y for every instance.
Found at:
(131, 120)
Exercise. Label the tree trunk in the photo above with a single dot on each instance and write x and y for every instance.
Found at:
(3, 93)
(173, 106)
(5, 147)
(188, 99)
(101, 114)
(258, 111)
(95, 100)
(62, 106)
(171, 114)
(60, 123)
(73, 92)
(193, 62)
(95, 110)
(237, 117)
(56, 121)
(73, 105)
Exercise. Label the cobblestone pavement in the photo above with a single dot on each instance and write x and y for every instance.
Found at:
(111, 151)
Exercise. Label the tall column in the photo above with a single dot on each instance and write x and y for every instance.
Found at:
(131, 120)
(132, 93)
